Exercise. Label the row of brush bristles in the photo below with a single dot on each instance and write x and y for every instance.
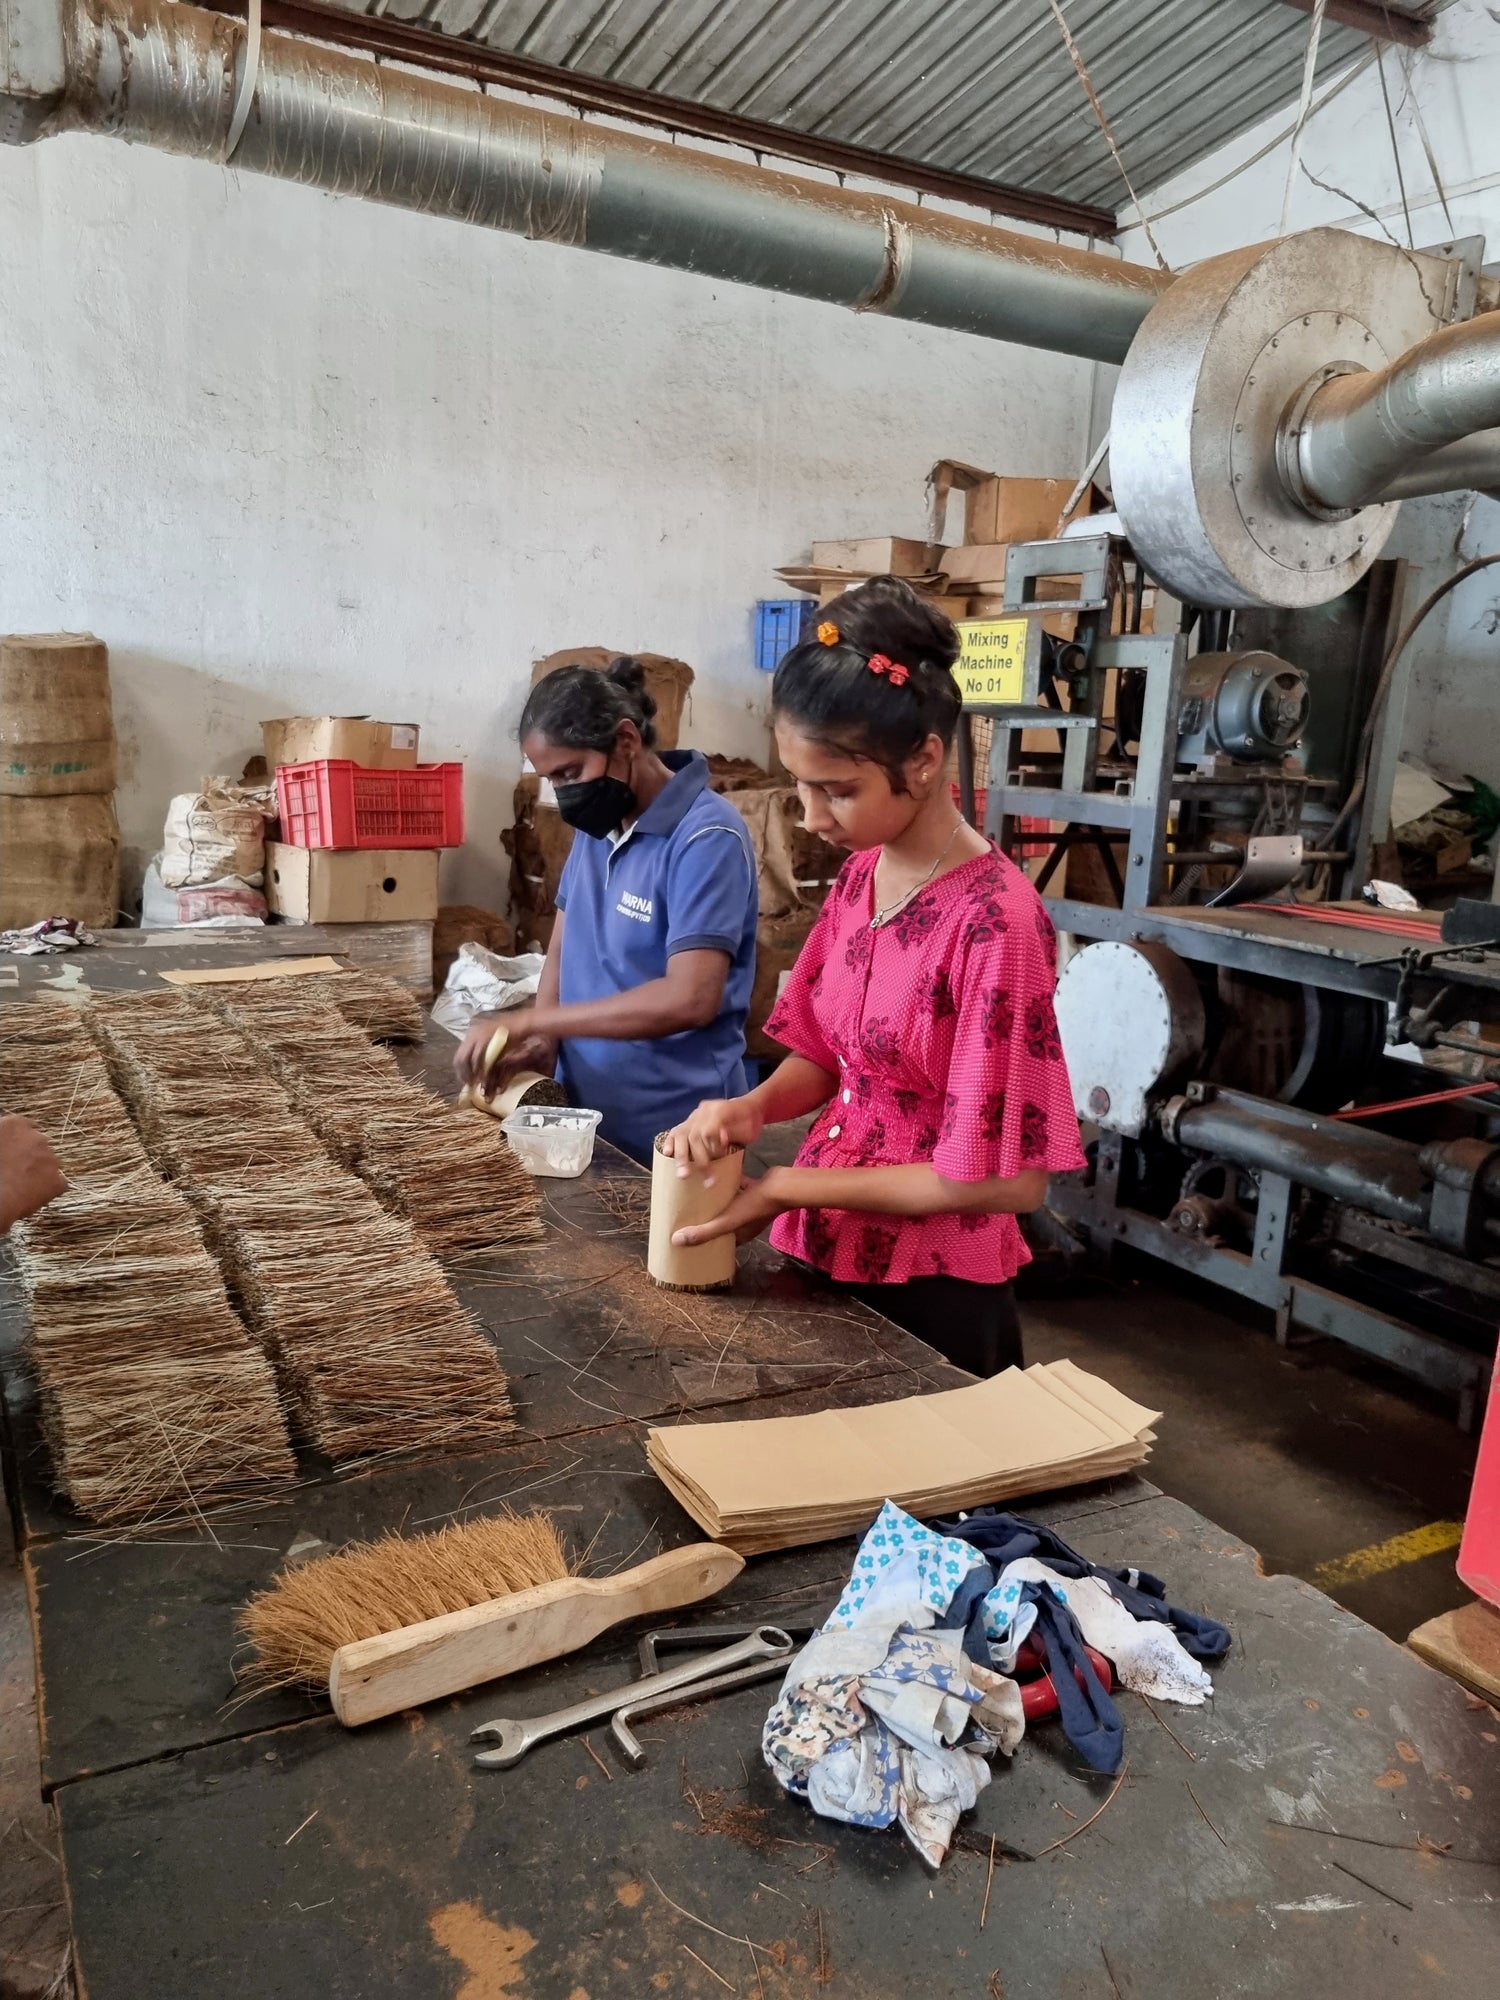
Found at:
(246, 1255)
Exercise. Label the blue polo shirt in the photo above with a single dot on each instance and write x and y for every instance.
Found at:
(681, 879)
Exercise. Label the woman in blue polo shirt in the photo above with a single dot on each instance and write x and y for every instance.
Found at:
(642, 1004)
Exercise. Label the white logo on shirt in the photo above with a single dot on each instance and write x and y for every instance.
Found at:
(638, 907)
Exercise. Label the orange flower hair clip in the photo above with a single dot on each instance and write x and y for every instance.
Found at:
(893, 669)
(828, 633)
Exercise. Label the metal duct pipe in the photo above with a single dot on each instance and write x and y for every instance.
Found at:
(1472, 462)
(1365, 1169)
(1363, 430)
(166, 75)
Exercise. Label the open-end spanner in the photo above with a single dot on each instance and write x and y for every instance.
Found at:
(515, 1735)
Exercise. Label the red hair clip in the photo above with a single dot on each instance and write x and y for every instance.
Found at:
(881, 664)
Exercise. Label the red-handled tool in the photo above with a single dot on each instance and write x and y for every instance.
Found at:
(1039, 1695)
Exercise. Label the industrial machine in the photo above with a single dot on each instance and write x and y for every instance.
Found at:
(1231, 1003)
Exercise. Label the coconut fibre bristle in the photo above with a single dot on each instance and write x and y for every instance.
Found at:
(295, 1628)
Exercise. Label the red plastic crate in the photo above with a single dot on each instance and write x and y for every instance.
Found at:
(334, 802)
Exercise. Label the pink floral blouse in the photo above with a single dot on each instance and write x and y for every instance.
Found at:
(941, 1031)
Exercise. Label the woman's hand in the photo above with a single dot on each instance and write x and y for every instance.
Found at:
(529, 1047)
(757, 1204)
(720, 1125)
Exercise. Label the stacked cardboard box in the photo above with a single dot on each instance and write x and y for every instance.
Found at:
(964, 580)
(366, 885)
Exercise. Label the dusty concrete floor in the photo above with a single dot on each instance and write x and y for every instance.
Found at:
(1307, 1453)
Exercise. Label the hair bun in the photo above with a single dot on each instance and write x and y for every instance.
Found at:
(630, 675)
(887, 616)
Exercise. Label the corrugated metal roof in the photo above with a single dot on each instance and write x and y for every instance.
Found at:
(970, 85)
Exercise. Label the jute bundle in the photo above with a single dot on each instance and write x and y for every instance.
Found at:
(155, 1400)
(51, 1073)
(378, 1354)
(455, 1179)
(295, 1628)
(371, 1348)
(57, 726)
(385, 1009)
(59, 857)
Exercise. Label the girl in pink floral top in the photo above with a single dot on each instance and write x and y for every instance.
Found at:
(919, 1014)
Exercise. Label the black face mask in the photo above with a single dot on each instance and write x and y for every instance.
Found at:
(596, 806)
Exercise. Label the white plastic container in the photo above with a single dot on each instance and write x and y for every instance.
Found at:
(554, 1141)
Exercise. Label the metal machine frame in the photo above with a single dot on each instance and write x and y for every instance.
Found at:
(1090, 800)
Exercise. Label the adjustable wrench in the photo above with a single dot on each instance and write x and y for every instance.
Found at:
(515, 1735)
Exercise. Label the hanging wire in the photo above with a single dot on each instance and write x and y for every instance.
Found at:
(1390, 124)
(1271, 146)
(1432, 165)
(1304, 105)
(1086, 80)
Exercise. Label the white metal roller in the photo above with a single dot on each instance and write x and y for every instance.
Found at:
(1131, 1021)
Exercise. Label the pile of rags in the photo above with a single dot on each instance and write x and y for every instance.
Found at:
(894, 1707)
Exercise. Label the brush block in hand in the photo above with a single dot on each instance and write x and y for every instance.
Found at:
(374, 1677)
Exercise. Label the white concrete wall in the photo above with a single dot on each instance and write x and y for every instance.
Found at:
(290, 453)
(1455, 86)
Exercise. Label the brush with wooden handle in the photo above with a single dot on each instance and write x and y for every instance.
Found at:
(410, 1619)
(441, 1656)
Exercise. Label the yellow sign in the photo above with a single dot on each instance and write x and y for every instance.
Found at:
(991, 665)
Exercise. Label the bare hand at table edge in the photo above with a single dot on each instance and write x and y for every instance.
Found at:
(30, 1176)
(719, 1126)
(526, 1049)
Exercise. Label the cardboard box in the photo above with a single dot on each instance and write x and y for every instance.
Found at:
(379, 746)
(876, 555)
(1014, 510)
(979, 565)
(325, 885)
(1000, 509)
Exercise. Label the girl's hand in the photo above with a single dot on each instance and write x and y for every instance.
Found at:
(718, 1126)
(753, 1209)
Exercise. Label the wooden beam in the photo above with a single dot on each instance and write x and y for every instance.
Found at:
(1369, 17)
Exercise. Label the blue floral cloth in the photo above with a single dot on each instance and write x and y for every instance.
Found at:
(882, 1719)
(903, 1564)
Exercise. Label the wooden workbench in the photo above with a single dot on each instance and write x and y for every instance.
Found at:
(216, 1852)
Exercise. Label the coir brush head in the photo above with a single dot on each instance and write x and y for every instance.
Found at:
(295, 1628)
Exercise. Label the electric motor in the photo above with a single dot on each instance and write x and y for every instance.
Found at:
(1248, 706)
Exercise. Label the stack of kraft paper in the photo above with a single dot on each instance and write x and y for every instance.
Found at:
(779, 1482)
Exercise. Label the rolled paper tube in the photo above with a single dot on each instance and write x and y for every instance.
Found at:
(680, 1203)
(529, 1086)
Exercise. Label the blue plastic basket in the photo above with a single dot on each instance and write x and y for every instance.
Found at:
(780, 624)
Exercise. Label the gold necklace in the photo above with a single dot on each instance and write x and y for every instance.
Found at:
(882, 917)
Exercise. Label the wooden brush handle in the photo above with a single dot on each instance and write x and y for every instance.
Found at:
(375, 1677)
